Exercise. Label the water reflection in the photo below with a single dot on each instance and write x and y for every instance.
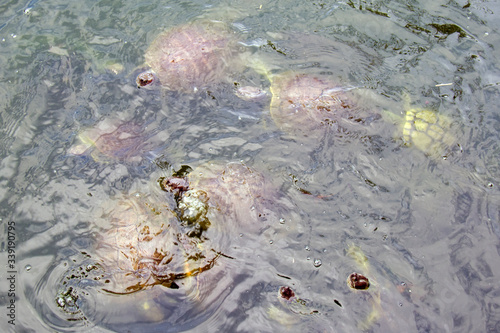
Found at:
(80, 141)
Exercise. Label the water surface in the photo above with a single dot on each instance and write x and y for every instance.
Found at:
(426, 223)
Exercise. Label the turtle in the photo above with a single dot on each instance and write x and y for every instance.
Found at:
(292, 303)
(303, 102)
(144, 244)
(288, 311)
(142, 247)
(428, 131)
(305, 96)
(425, 129)
(116, 140)
(383, 292)
(306, 102)
(138, 246)
(191, 56)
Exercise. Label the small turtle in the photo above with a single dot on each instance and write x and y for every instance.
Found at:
(380, 289)
(357, 281)
(295, 304)
(191, 56)
(426, 130)
(292, 312)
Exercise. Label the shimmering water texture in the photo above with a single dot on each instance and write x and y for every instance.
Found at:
(251, 167)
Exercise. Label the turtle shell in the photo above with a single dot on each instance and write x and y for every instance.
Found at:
(428, 131)
(192, 56)
(114, 139)
(302, 103)
(236, 193)
(142, 247)
(224, 197)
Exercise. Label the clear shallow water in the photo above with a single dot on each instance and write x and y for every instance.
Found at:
(428, 226)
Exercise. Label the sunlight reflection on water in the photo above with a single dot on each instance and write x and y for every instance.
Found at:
(348, 189)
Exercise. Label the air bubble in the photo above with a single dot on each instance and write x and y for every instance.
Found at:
(27, 268)
(282, 221)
